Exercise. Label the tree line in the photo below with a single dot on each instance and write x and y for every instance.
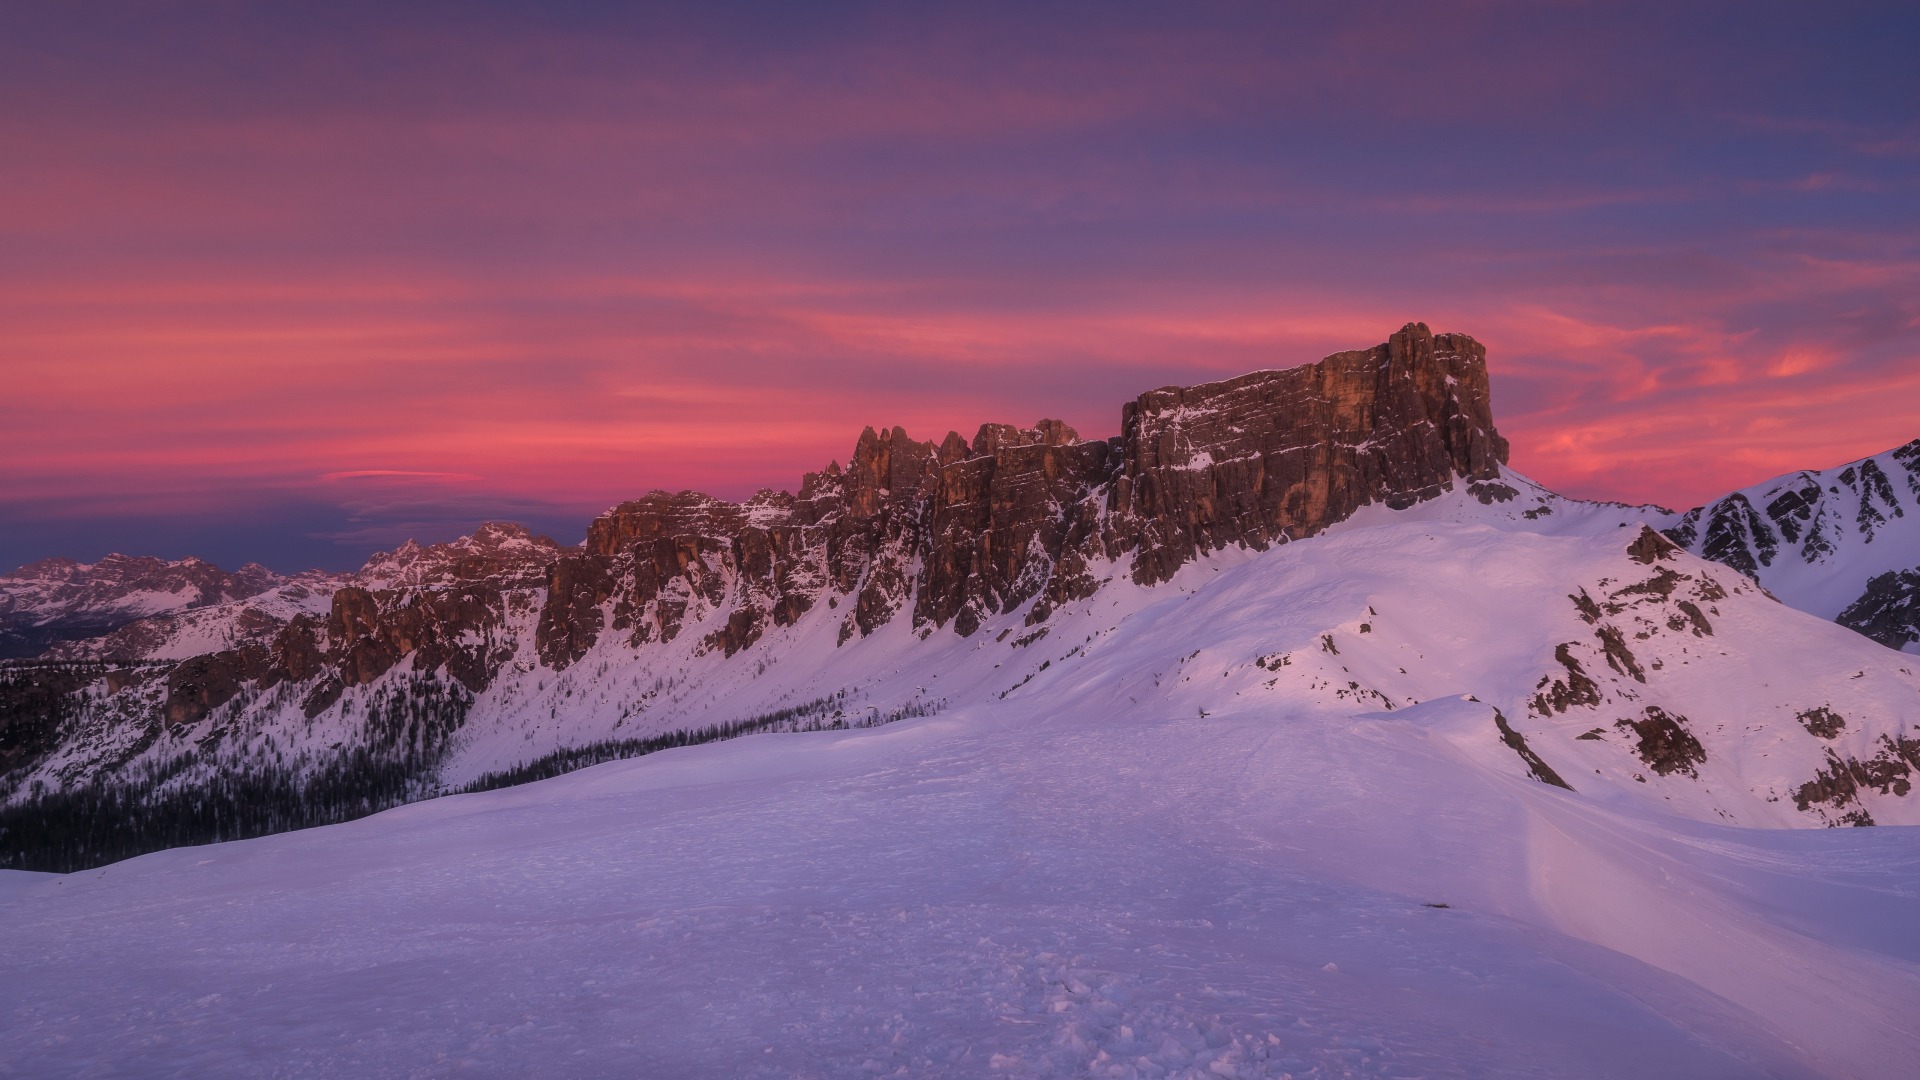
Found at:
(182, 800)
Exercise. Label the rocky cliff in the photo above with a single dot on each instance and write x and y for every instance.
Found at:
(942, 533)
(951, 532)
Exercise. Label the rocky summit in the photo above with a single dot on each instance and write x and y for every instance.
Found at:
(951, 532)
(948, 533)
(939, 536)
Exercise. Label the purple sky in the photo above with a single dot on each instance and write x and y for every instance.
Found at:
(290, 283)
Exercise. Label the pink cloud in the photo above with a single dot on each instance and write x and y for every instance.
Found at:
(557, 265)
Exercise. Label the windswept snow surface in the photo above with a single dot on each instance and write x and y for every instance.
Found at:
(972, 895)
(1246, 824)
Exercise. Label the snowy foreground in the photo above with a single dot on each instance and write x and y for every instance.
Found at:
(1177, 837)
(970, 895)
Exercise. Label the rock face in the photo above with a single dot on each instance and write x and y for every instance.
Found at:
(1889, 610)
(1283, 454)
(943, 533)
(440, 607)
(954, 531)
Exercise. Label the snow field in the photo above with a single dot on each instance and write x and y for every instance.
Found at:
(942, 897)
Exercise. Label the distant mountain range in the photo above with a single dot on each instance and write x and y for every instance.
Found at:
(56, 600)
(1350, 527)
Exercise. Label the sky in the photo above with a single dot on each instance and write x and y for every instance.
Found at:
(290, 283)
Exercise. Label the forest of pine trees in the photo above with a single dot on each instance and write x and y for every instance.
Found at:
(172, 803)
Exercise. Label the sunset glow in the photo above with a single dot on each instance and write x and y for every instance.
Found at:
(295, 285)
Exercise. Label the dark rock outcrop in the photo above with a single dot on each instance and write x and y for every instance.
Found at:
(570, 623)
(1536, 766)
(1650, 547)
(34, 704)
(198, 686)
(1278, 455)
(1841, 783)
(1823, 722)
(1732, 532)
(450, 624)
(1889, 610)
(295, 655)
(956, 531)
(1559, 695)
(1664, 741)
(370, 633)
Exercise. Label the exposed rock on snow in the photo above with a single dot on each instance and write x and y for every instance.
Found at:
(957, 532)
(1279, 455)
(1888, 611)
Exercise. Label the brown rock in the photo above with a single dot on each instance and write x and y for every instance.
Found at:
(960, 531)
(1278, 455)
(570, 622)
(202, 684)
(295, 653)
(1650, 547)
(361, 652)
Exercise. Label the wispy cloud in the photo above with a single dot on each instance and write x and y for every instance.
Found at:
(399, 474)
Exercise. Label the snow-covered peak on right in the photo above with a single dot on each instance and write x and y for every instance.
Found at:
(1842, 543)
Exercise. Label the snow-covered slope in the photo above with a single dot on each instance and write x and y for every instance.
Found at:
(1628, 670)
(1083, 878)
(1634, 671)
(1843, 543)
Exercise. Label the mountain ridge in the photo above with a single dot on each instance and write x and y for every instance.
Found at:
(53, 600)
(683, 617)
(1838, 542)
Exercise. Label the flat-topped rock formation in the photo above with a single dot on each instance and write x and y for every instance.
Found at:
(953, 531)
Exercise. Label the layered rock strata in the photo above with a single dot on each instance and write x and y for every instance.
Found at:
(951, 532)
